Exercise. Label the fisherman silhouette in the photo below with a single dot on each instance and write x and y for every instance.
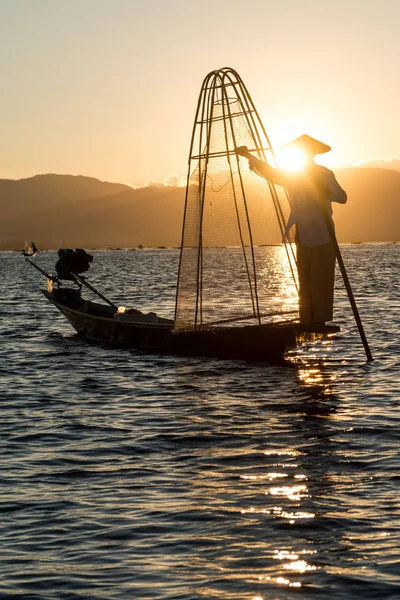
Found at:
(311, 192)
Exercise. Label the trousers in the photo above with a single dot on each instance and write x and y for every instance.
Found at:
(316, 269)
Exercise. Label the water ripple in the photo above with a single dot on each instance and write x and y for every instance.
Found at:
(125, 475)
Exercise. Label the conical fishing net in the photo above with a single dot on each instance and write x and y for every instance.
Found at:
(234, 265)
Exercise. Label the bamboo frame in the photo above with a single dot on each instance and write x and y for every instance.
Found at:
(214, 92)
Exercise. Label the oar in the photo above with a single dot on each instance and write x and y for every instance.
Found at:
(347, 285)
(49, 277)
(79, 279)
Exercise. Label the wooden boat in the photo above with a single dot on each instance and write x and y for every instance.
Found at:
(236, 316)
(98, 322)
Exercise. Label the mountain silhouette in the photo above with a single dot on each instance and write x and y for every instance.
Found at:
(75, 211)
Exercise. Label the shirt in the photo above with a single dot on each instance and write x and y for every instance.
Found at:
(310, 195)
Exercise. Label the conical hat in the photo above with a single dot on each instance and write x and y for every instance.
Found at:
(308, 145)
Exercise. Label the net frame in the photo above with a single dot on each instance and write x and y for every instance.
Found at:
(223, 88)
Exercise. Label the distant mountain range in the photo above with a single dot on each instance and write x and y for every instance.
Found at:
(75, 211)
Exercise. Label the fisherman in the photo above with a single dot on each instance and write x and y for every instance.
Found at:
(311, 192)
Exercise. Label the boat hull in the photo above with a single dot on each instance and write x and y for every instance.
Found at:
(267, 342)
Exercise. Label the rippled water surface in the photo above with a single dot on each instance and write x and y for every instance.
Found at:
(137, 476)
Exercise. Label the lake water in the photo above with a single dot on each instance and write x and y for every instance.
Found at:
(134, 476)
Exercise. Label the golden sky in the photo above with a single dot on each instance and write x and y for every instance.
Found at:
(108, 88)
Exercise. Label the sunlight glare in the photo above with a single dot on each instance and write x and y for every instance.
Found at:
(291, 159)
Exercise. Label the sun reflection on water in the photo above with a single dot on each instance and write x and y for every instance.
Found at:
(313, 375)
(282, 452)
(293, 492)
(299, 565)
(275, 276)
(269, 476)
(286, 492)
(293, 561)
(279, 581)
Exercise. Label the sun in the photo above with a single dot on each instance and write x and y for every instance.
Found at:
(290, 159)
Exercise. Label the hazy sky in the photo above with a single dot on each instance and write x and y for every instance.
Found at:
(108, 88)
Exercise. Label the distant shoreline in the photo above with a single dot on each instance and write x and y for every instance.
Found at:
(14, 249)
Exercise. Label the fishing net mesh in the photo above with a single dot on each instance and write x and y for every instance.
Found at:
(233, 264)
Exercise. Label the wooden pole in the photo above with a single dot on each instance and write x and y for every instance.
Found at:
(82, 280)
(49, 277)
(348, 286)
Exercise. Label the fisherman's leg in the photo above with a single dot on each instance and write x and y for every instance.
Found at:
(322, 274)
(303, 269)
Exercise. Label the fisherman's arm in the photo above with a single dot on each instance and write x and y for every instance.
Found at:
(263, 169)
(337, 193)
